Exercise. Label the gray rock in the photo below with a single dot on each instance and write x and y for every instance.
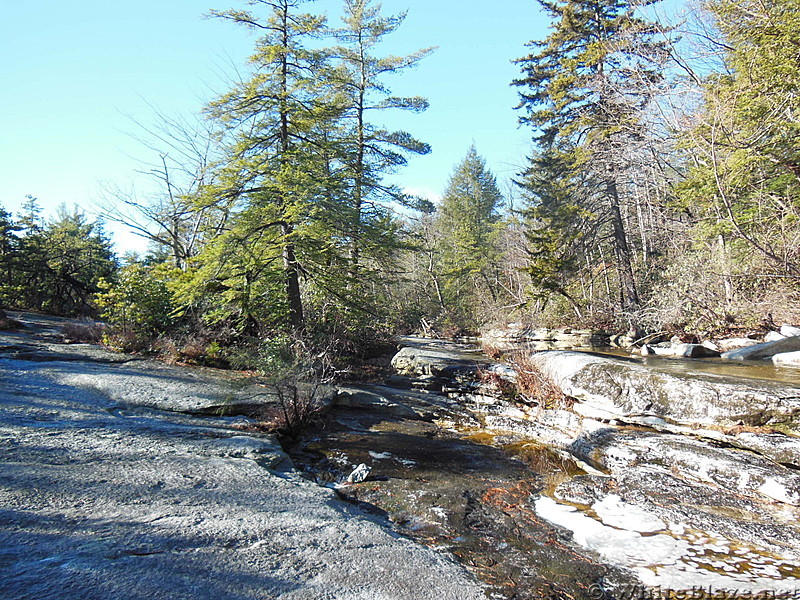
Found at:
(609, 388)
(376, 403)
(787, 359)
(735, 343)
(516, 336)
(100, 499)
(789, 330)
(680, 350)
(765, 350)
(774, 336)
(744, 472)
(359, 474)
(445, 363)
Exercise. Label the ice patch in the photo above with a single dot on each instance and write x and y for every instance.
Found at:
(662, 560)
(379, 455)
(620, 546)
(612, 511)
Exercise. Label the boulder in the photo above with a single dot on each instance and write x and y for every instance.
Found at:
(515, 334)
(734, 344)
(764, 350)
(680, 350)
(774, 336)
(445, 363)
(614, 388)
(618, 452)
(787, 359)
(790, 331)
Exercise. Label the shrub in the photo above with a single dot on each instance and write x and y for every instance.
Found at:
(83, 331)
(538, 387)
(138, 302)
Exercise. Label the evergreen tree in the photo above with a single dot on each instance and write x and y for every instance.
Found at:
(584, 89)
(275, 171)
(369, 151)
(9, 257)
(468, 224)
(744, 184)
(61, 261)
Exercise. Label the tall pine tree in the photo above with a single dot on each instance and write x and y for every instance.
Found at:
(468, 226)
(583, 90)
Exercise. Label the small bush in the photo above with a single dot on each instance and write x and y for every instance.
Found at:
(126, 341)
(83, 331)
(538, 387)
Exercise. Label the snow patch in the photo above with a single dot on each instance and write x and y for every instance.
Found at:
(612, 511)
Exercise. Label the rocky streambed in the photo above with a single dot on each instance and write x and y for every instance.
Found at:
(651, 480)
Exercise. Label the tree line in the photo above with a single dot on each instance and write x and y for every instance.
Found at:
(661, 189)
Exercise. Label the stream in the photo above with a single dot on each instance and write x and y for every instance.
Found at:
(466, 472)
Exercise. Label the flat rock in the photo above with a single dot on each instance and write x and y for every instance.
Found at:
(444, 363)
(787, 359)
(729, 344)
(681, 351)
(764, 350)
(102, 496)
(610, 388)
(744, 472)
(353, 397)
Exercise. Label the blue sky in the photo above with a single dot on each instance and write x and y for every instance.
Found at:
(74, 73)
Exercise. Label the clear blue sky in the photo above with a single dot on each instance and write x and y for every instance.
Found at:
(73, 74)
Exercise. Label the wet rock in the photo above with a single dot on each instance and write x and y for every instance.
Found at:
(609, 388)
(359, 474)
(515, 335)
(787, 359)
(353, 397)
(401, 382)
(680, 350)
(764, 350)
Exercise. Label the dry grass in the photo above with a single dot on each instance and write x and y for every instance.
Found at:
(537, 387)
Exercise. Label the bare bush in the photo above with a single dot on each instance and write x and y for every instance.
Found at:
(536, 386)
(83, 331)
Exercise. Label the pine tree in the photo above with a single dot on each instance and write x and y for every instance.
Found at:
(277, 124)
(468, 225)
(744, 184)
(584, 90)
(369, 152)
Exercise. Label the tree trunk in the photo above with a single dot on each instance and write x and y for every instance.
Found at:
(291, 270)
(627, 282)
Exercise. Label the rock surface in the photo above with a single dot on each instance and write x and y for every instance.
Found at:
(516, 334)
(787, 359)
(680, 351)
(104, 494)
(610, 388)
(764, 350)
(790, 330)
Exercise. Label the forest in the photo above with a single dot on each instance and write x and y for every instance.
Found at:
(662, 192)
